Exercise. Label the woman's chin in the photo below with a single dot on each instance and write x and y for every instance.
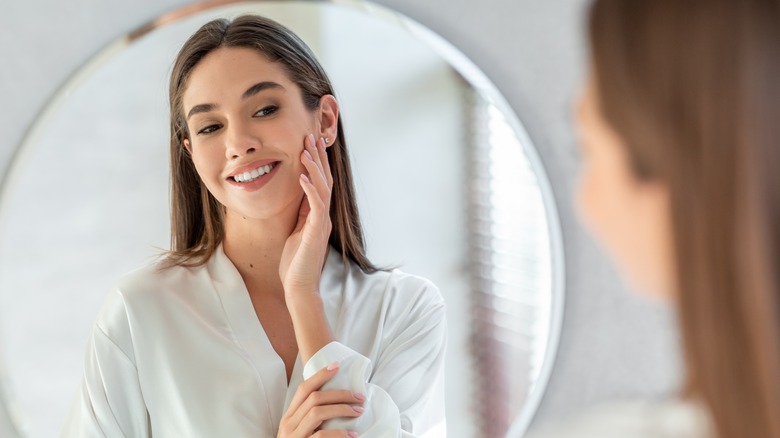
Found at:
(285, 209)
(253, 214)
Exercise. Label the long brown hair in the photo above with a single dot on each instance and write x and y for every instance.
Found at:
(693, 89)
(197, 218)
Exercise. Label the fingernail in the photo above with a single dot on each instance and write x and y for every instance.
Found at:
(359, 396)
(358, 409)
(334, 365)
(352, 434)
(308, 155)
(306, 180)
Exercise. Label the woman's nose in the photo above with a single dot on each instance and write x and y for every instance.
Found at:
(240, 141)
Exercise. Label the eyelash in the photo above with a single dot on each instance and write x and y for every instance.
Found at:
(269, 110)
(208, 129)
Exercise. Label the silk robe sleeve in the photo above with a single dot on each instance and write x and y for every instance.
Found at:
(404, 387)
(109, 402)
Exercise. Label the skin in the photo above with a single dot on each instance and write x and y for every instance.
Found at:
(276, 236)
(630, 217)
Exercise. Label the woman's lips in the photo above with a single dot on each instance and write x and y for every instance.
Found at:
(250, 167)
(252, 174)
(257, 183)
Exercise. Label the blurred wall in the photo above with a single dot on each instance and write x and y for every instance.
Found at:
(613, 343)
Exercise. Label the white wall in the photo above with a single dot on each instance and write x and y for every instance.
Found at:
(613, 343)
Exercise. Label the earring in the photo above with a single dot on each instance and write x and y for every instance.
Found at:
(327, 140)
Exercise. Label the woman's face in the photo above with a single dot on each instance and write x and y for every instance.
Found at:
(247, 125)
(631, 218)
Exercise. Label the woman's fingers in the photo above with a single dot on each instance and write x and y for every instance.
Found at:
(312, 384)
(310, 407)
(318, 195)
(311, 147)
(320, 406)
(317, 415)
(323, 152)
(315, 175)
(318, 154)
(332, 397)
(316, 205)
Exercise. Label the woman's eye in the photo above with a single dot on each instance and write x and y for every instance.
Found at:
(267, 111)
(209, 129)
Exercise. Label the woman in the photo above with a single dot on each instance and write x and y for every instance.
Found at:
(680, 122)
(265, 318)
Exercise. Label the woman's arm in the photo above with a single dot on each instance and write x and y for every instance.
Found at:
(312, 331)
(304, 253)
(400, 387)
(300, 269)
(109, 402)
(404, 386)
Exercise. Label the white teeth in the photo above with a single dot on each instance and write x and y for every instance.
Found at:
(254, 174)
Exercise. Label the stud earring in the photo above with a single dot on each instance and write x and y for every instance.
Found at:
(327, 140)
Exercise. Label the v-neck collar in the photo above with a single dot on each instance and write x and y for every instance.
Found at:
(251, 337)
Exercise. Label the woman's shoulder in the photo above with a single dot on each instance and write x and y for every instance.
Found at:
(155, 276)
(641, 419)
(393, 301)
(408, 285)
(394, 285)
(146, 288)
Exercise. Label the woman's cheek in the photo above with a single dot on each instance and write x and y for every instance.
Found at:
(601, 213)
(585, 197)
(207, 166)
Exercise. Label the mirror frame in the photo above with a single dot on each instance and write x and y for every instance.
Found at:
(457, 60)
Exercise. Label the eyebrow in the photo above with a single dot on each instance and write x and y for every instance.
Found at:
(251, 91)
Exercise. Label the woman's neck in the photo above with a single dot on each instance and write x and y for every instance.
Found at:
(255, 248)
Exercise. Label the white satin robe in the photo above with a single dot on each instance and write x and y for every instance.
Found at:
(181, 353)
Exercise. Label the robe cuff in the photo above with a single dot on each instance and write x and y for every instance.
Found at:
(333, 352)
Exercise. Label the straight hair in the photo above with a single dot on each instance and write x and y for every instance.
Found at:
(197, 218)
(692, 87)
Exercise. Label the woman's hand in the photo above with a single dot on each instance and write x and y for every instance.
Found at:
(310, 408)
(305, 250)
(304, 253)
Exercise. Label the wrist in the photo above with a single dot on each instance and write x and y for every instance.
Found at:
(302, 298)
(312, 330)
(294, 287)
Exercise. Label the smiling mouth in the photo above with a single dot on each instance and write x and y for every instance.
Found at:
(252, 175)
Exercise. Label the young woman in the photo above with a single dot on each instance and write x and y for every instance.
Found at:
(266, 318)
(680, 127)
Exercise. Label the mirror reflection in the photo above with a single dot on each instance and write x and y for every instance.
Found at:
(446, 183)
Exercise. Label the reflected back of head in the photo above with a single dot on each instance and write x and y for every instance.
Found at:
(692, 89)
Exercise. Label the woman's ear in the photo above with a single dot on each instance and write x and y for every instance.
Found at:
(329, 118)
(186, 143)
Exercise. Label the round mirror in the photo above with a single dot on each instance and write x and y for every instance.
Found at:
(449, 187)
